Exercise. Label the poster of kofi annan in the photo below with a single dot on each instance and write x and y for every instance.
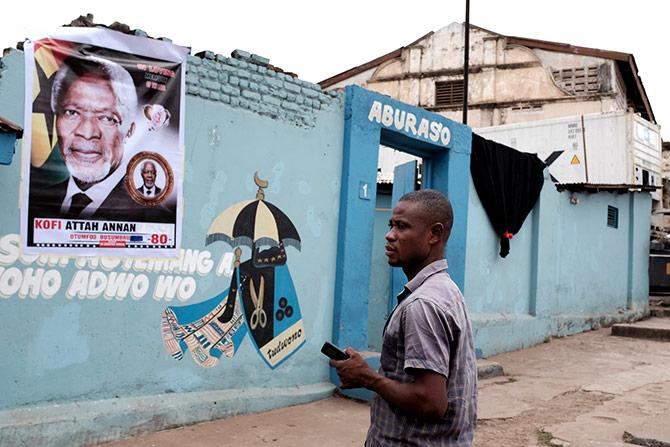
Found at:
(104, 144)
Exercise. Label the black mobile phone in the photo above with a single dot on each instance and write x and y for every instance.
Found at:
(332, 351)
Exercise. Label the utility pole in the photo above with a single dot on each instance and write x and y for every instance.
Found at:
(466, 62)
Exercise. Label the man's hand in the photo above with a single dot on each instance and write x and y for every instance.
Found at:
(354, 372)
(425, 397)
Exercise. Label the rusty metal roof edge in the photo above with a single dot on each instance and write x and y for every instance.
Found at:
(370, 64)
(640, 88)
(619, 57)
(604, 186)
(569, 48)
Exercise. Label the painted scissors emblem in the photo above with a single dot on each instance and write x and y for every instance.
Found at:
(258, 316)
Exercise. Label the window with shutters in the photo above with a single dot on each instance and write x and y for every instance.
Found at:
(612, 216)
(579, 81)
(449, 93)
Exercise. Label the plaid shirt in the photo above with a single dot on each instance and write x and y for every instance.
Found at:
(429, 329)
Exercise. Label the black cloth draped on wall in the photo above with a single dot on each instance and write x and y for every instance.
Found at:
(508, 183)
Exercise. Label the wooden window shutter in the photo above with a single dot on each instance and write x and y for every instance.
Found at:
(449, 93)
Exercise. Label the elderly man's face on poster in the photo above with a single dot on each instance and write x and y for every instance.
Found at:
(149, 174)
(90, 127)
(94, 161)
(149, 178)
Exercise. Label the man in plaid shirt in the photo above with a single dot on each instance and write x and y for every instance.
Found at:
(427, 382)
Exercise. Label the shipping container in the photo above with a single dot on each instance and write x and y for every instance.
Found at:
(617, 148)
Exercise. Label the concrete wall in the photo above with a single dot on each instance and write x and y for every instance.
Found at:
(567, 271)
(84, 369)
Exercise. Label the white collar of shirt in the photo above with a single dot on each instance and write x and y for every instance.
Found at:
(97, 193)
(429, 270)
(149, 191)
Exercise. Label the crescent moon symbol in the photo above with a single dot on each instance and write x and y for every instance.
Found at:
(260, 183)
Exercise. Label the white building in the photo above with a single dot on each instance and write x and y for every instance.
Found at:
(511, 80)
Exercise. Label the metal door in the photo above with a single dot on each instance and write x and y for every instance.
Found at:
(404, 181)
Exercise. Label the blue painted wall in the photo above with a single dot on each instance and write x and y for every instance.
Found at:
(241, 118)
(380, 274)
(567, 271)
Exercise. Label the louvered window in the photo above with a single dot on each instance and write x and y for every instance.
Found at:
(579, 81)
(449, 93)
(612, 217)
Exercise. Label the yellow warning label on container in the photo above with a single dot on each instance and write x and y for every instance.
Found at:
(575, 160)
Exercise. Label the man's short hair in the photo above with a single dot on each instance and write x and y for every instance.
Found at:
(122, 83)
(144, 165)
(437, 206)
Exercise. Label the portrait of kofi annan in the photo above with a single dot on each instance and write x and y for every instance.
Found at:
(94, 101)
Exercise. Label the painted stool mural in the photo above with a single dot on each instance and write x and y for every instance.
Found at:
(261, 298)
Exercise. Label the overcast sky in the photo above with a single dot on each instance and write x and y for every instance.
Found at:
(319, 39)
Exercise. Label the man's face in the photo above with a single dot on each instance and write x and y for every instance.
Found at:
(149, 175)
(407, 241)
(89, 129)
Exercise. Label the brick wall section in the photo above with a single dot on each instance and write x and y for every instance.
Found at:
(2, 66)
(245, 81)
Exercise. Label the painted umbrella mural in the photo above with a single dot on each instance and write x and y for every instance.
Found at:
(269, 304)
(254, 223)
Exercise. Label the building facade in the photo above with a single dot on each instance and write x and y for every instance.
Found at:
(511, 79)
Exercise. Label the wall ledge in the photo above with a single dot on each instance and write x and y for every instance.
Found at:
(92, 422)
(496, 333)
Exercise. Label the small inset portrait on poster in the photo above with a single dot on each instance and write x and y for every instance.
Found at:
(156, 116)
(149, 178)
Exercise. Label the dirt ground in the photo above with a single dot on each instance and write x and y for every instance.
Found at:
(583, 390)
(528, 428)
